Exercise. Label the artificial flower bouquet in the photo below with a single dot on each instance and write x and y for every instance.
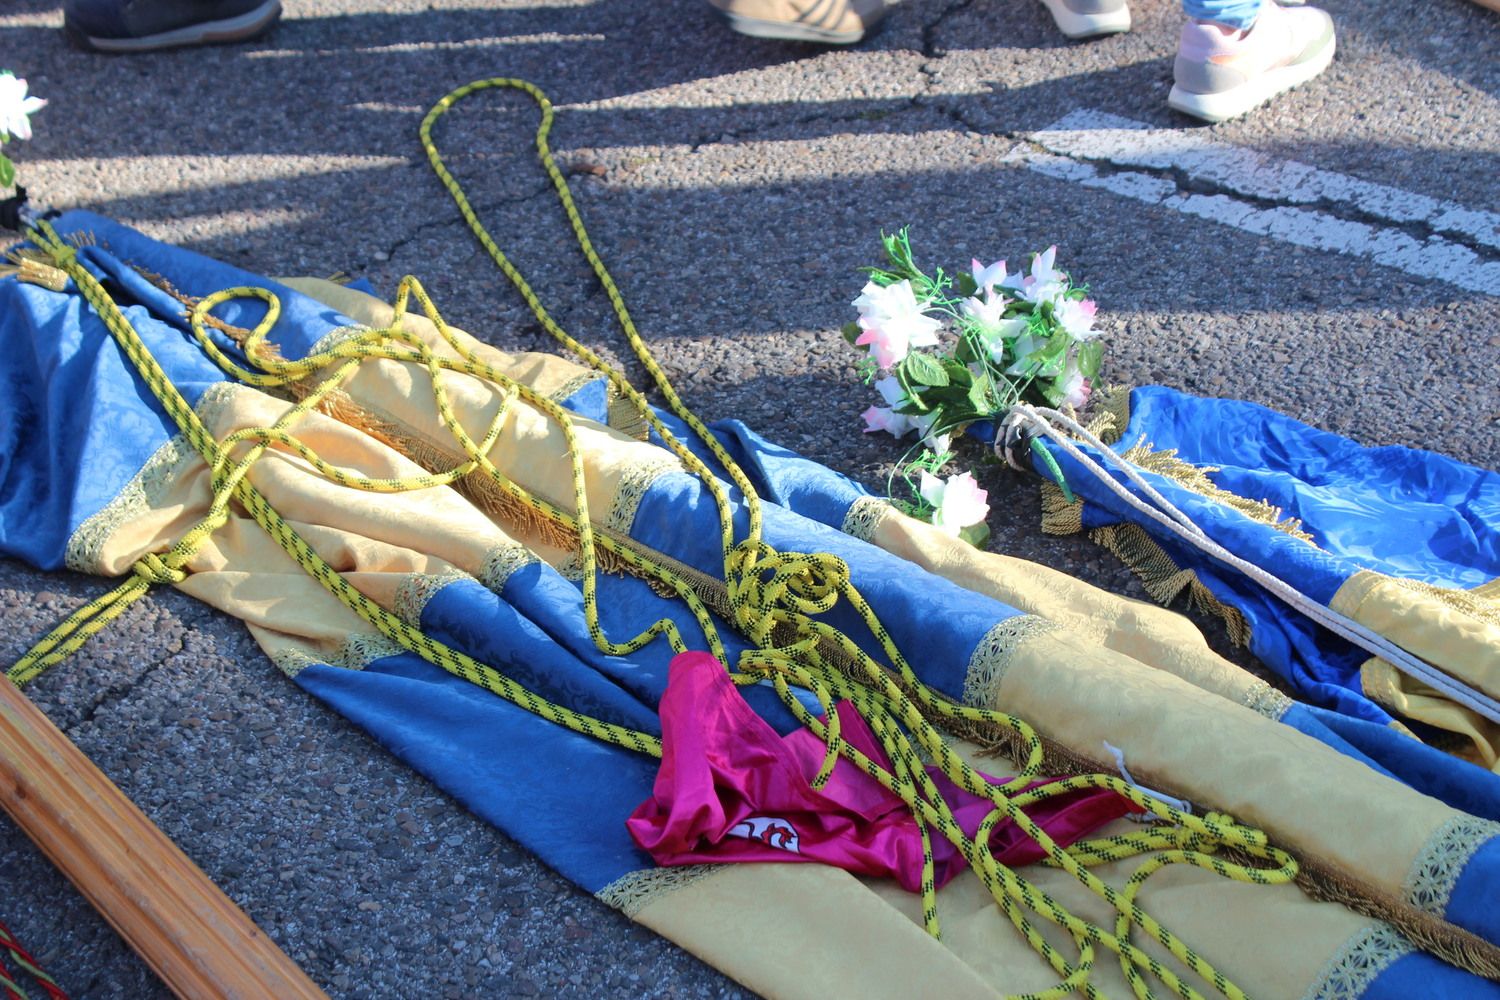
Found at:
(15, 119)
(946, 352)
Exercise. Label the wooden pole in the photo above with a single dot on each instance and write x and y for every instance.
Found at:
(177, 920)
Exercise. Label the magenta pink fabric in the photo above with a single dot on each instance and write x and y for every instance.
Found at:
(730, 789)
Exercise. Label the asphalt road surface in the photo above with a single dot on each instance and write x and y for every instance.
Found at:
(1336, 256)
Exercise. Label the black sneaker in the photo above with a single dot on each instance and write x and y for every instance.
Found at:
(143, 25)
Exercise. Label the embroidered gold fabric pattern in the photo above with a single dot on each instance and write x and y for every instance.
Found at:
(1357, 964)
(1266, 700)
(1430, 883)
(419, 588)
(502, 561)
(864, 517)
(634, 891)
(995, 654)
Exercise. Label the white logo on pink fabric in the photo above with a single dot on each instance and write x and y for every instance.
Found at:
(769, 830)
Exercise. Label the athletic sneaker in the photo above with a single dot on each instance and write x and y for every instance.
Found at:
(1222, 75)
(1089, 18)
(832, 22)
(143, 25)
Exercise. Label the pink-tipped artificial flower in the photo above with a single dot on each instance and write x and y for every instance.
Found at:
(891, 322)
(883, 418)
(1074, 386)
(987, 279)
(1077, 317)
(959, 501)
(1045, 281)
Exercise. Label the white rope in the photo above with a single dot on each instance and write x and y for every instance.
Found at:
(1045, 421)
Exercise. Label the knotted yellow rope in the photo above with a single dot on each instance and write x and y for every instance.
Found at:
(774, 599)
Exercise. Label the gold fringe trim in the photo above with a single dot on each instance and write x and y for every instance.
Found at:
(1058, 516)
(1164, 580)
(634, 891)
(1111, 406)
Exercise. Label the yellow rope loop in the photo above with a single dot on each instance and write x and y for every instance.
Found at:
(153, 569)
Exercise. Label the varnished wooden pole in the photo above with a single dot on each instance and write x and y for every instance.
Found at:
(177, 920)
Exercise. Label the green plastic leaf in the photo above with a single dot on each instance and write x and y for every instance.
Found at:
(924, 369)
(7, 172)
(851, 332)
(1090, 358)
(976, 534)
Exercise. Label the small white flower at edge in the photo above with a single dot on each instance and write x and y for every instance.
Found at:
(15, 107)
(959, 501)
(1077, 317)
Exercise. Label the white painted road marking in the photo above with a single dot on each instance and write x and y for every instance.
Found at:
(1073, 146)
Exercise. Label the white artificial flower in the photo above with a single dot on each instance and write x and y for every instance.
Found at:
(1074, 386)
(1045, 282)
(959, 501)
(1076, 317)
(16, 107)
(892, 322)
(987, 278)
(986, 312)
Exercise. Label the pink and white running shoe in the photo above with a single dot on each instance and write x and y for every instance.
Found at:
(1089, 18)
(1223, 74)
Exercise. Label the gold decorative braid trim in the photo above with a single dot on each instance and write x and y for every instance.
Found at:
(1430, 883)
(356, 652)
(1355, 966)
(864, 516)
(140, 494)
(632, 490)
(334, 338)
(625, 418)
(571, 568)
(1482, 603)
(634, 891)
(417, 589)
(1266, 700)
(992, 658)
(145, 489)
(1164, 580)
(502, 561)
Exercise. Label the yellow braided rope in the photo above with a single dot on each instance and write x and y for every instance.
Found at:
(772, 596)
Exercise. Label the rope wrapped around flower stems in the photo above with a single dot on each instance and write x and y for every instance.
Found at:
(1062, 430)
(773, 599)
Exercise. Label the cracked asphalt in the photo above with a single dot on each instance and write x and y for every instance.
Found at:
(734, 187)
